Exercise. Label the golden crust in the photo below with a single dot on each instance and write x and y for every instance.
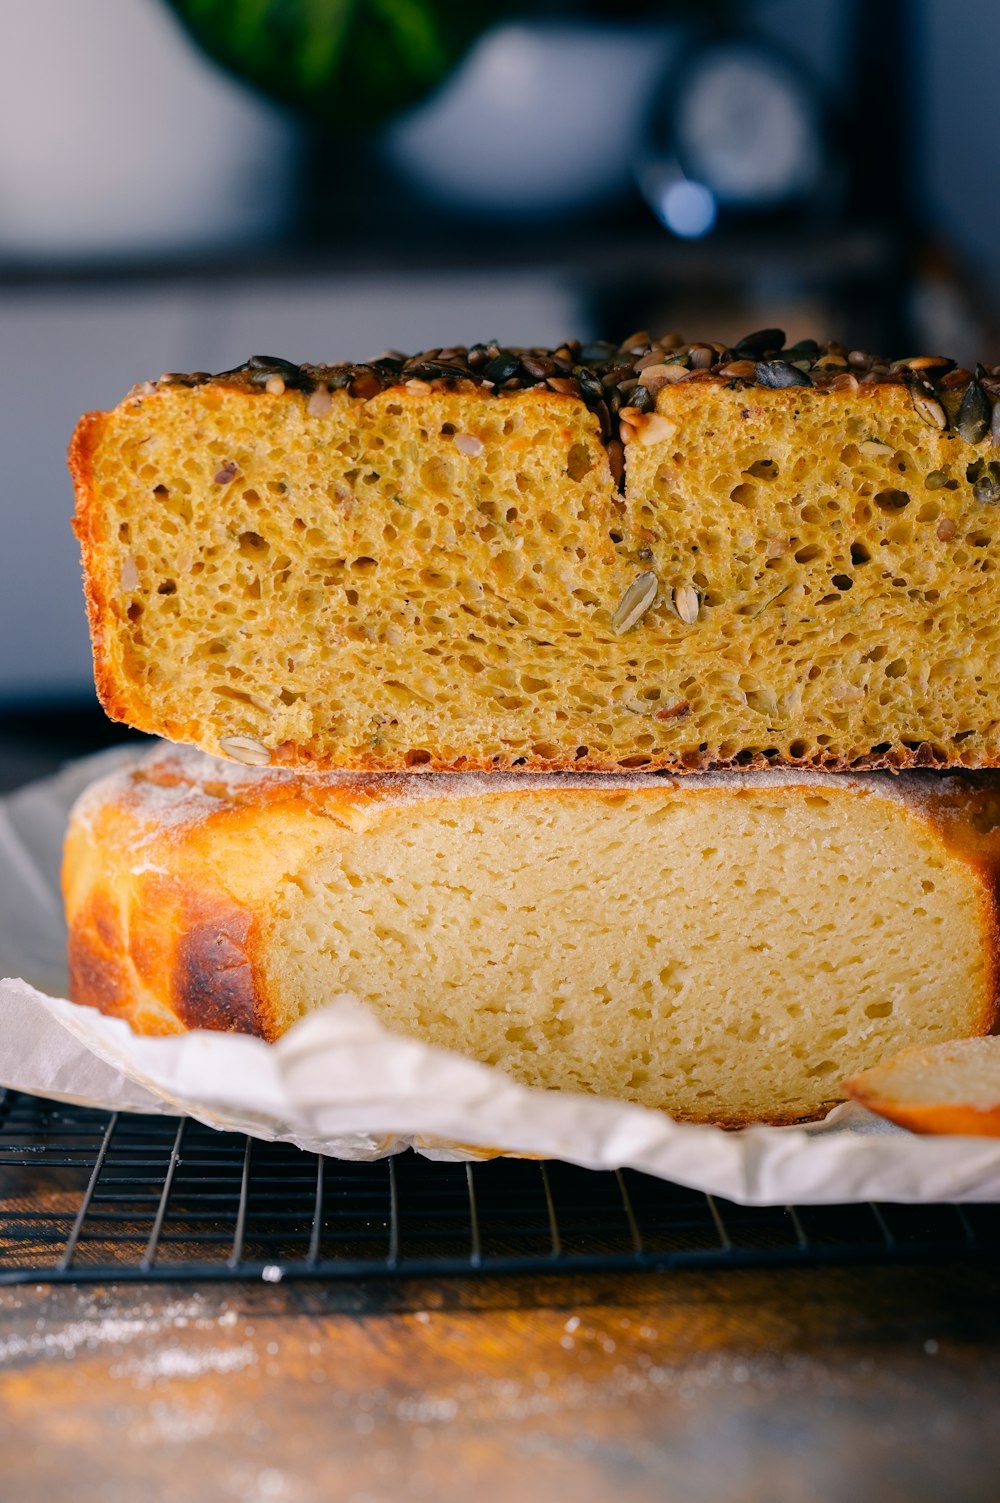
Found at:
(963, 1121)
(950, 1088)
(170, 872)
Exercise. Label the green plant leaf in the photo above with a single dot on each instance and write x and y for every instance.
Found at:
(345, 63)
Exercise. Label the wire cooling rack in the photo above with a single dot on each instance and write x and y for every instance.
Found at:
(91, 1195)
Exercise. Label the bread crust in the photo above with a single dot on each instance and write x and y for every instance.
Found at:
(169, 868)
(964, 1121)
(951, 1088)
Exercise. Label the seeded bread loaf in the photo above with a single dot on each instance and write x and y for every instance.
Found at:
(664, 556)
(725, 946)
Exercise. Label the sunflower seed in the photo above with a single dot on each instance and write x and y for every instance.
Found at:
(245, 749)
(129, 576)
(635, 602)
(656, 376)
(538, 365)
(741, 370)
(468, 443)
(975, 414)
(687, 603)
(930, 410)
(275, 386)
(875, 449)
(567, 386)
(320, 402)
(937, 363)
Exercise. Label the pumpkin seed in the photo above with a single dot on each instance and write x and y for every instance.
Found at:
(635, 602)
(984, 476)
(502, 368)
(779, 374)
(762, 342)
(975, 414)
(320, 402)
(275, 366)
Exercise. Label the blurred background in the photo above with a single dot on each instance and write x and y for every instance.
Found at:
(184, 183)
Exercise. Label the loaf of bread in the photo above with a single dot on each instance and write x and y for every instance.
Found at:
(725, 946)
(664, 556)
(942, 1088)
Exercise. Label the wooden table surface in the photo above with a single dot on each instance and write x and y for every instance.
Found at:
(747, 1386)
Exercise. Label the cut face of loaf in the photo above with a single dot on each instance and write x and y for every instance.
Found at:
(726, 947)
(401, 572)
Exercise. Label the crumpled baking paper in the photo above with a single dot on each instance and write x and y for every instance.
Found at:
(341, 1084)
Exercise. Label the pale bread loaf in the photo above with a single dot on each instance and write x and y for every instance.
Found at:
(727, 947)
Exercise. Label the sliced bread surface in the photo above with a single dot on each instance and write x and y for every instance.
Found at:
(675, 556)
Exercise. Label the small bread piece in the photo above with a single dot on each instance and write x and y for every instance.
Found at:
(430, 563)
(724, 946)
(946, 1088)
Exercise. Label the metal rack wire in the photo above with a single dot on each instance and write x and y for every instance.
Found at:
(91, 1195)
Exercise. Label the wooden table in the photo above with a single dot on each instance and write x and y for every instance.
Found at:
(747, 1386)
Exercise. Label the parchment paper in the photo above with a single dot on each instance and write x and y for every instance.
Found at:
(341, 1084)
